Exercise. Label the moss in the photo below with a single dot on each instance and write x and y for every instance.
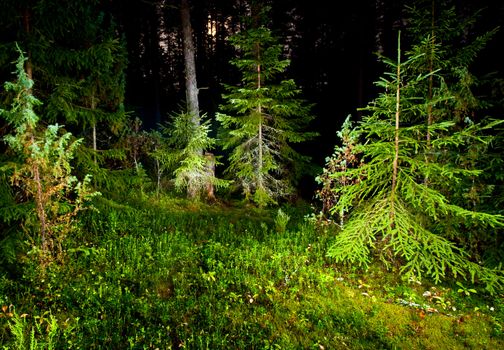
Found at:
(394, 318)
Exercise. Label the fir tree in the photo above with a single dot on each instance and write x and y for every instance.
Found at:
(450, 45)
(78, 61)
(42, 169)
(263, 119)
(400, 200)
(193, 164)
(88, 84)
(186, 152)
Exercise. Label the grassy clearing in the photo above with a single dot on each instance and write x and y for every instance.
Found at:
(176, 275)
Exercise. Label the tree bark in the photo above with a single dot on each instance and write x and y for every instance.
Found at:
(395, 164)
(260, 129)
(190, 76)
(210, 169)
(189, 62)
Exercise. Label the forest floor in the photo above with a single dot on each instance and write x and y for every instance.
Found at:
(167, 274)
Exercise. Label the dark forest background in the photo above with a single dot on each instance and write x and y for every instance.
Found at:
(332, 47)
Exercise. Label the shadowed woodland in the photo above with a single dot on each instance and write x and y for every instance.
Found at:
(251, 174)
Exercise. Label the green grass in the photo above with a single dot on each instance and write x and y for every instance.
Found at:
(169, 274)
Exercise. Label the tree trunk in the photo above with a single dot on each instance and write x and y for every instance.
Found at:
(189, 62)
(396, 134)
(395, 164)
(210, 169)
(260, 129)
(190, 76)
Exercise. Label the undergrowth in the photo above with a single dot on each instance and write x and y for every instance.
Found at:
(169, 274)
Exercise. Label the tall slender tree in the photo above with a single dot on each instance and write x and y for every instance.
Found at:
(87, 80)
(191, 88)
(446, 51)
(264, 118)
(40, 168)
(395, 213)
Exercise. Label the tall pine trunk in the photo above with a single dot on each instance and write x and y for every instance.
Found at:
(190, 75)
(189, 63)
(260, 126)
